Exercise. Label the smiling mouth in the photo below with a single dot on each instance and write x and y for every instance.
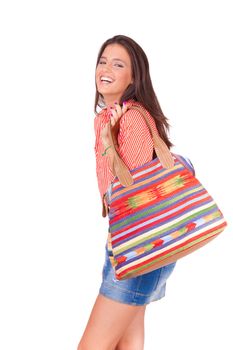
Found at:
(106, 80)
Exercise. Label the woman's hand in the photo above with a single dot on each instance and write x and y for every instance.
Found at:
(117, 113)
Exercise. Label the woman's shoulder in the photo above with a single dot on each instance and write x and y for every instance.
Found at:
(134, 119)
(134, 115)
(140, 105)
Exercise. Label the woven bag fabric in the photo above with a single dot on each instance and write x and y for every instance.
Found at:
(164, 215)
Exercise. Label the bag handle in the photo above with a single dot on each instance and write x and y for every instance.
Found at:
(160, 147)
(119, 167)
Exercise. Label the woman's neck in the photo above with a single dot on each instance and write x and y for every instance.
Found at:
(110, 102)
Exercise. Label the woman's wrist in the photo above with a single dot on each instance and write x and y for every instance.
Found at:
(106, 150)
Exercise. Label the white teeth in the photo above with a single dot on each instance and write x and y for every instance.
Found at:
(109, 80)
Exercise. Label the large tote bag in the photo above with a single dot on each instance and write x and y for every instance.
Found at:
(158, 212)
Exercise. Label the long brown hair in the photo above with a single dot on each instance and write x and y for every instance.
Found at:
(141, 89)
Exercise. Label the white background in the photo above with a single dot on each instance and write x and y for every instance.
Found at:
(52, 234)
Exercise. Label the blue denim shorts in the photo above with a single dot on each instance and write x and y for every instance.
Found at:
(140, 290)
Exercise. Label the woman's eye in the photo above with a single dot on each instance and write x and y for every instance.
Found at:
(118, 65)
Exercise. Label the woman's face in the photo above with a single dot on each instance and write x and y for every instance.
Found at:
(113, 73)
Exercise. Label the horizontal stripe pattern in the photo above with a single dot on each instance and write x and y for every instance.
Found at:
(165, 207)
(164, 229)
(164, 215)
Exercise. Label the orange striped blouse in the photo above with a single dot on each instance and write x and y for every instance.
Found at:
(134, 141)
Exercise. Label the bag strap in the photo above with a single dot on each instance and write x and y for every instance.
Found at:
(119, 167)
(161, 149)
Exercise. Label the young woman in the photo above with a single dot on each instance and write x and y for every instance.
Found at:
(122, 79)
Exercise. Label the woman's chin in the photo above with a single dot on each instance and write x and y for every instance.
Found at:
(105, 90)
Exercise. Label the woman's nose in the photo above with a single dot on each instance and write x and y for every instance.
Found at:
(106, 67)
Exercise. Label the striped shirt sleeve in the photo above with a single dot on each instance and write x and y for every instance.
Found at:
(134, 139)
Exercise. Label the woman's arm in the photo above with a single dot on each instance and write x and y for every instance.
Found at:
(135, 144)
(116, 115)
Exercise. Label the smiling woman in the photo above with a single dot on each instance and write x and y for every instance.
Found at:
(123, 80)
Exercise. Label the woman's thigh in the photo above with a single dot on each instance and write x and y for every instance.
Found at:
(107, 324)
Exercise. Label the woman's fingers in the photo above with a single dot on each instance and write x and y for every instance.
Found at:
(118, 109)
(114, 117)
(124, 108)
(117, 112)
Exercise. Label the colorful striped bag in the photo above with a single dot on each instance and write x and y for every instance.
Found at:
(158, 212)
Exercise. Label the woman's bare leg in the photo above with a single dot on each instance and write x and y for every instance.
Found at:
(107, 324)
(133, 337)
